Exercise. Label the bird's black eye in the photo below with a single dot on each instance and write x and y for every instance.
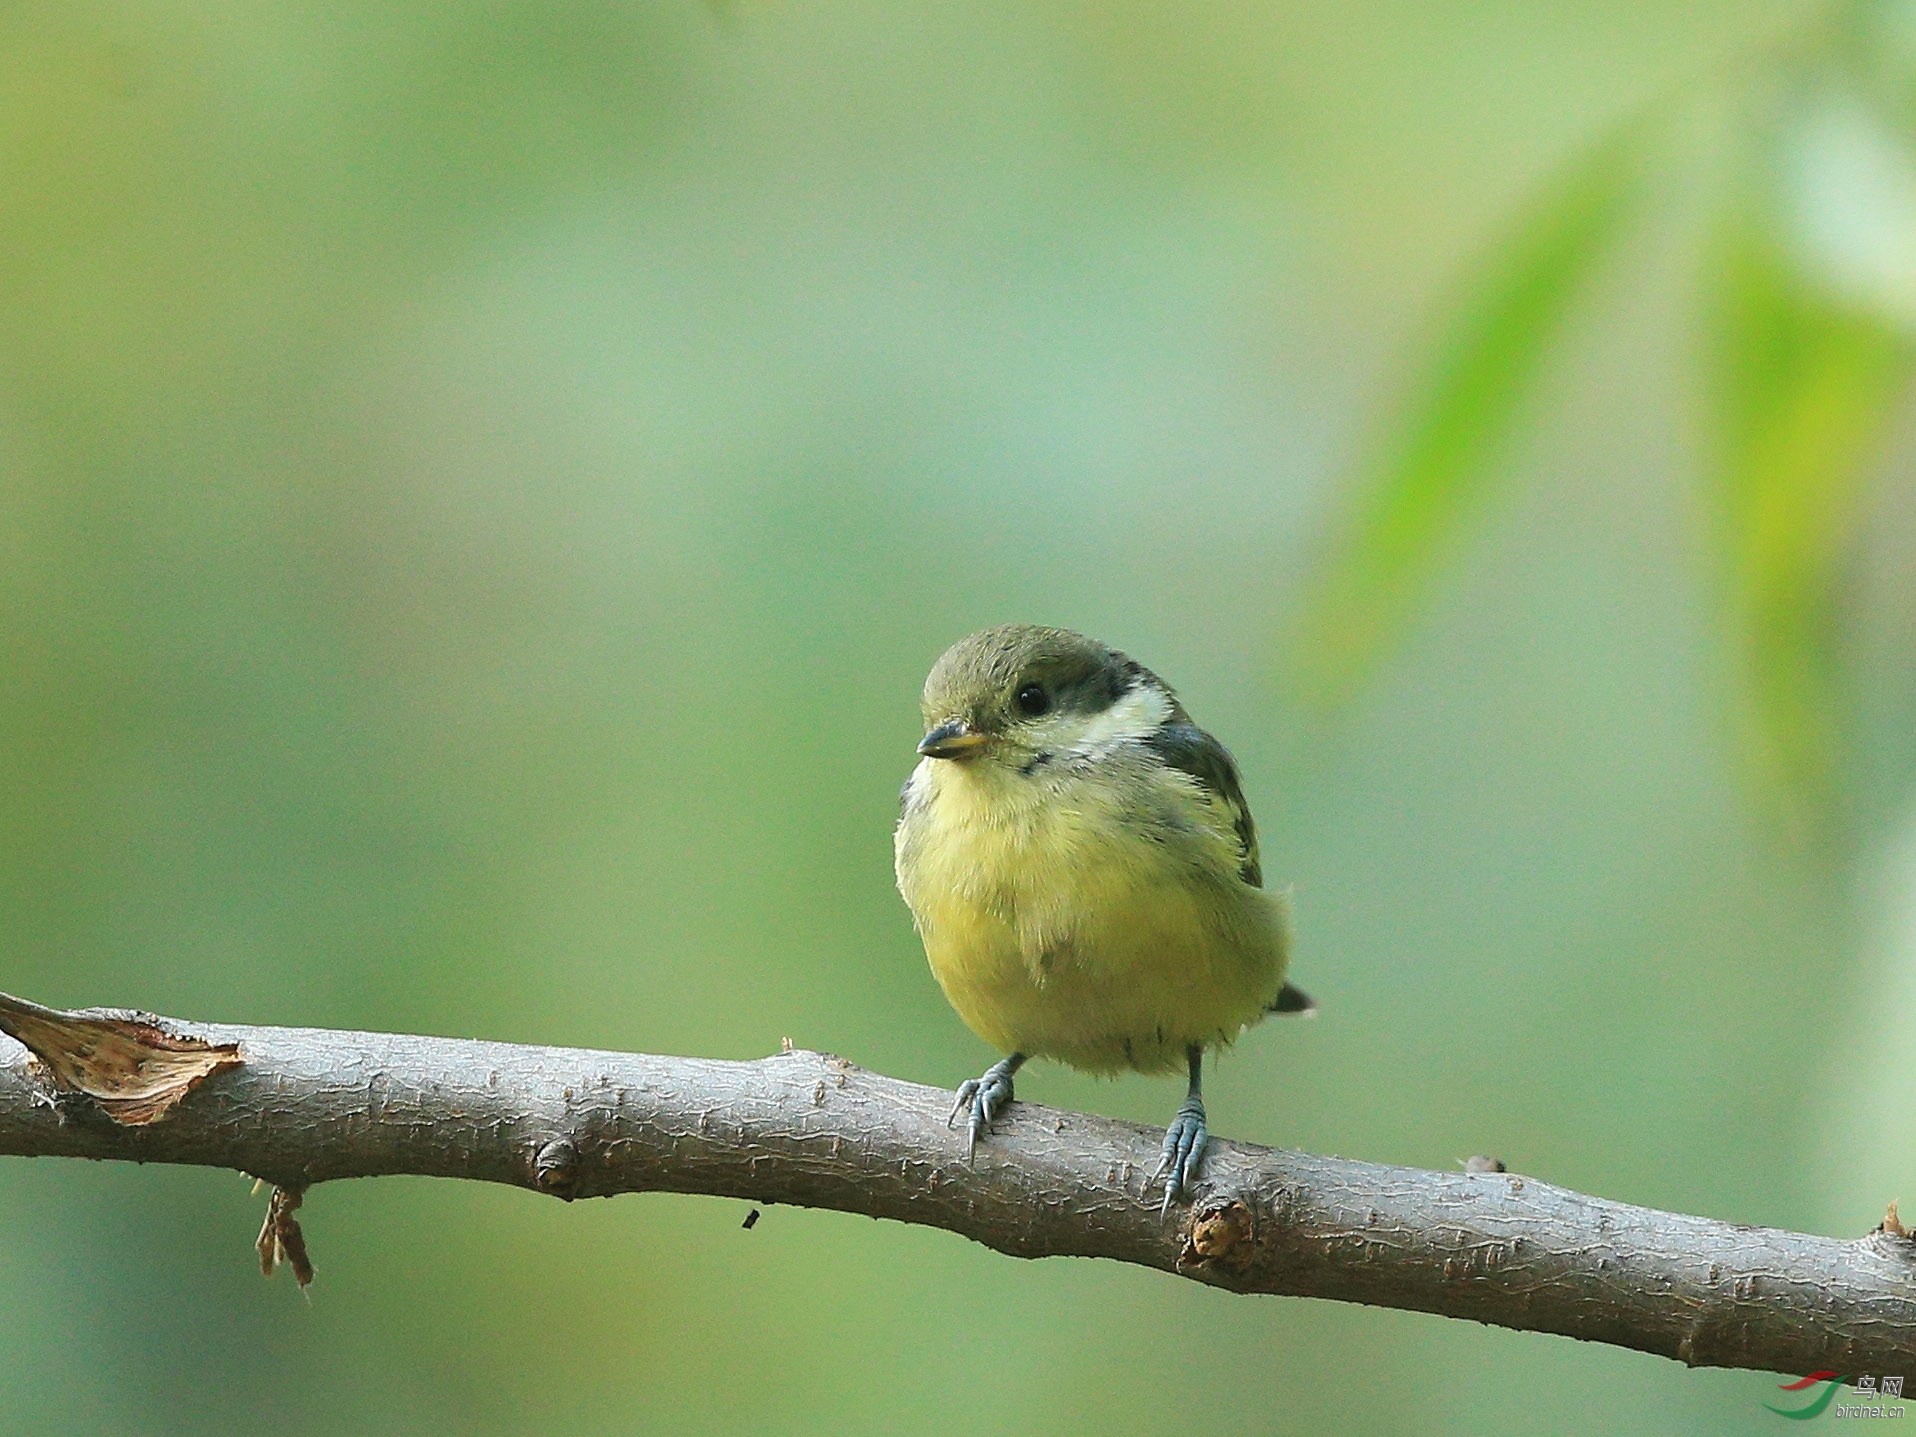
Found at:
(1032, 700)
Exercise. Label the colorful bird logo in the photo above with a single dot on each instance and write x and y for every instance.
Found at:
(1815, 1409)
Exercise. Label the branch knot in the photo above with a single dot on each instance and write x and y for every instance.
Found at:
(555, 1169)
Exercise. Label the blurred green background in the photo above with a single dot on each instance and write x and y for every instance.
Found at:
(480, 488)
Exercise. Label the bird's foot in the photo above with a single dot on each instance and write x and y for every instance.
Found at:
(984, 1097)
(1184, 1144)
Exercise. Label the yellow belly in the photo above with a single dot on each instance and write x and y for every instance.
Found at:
(1100, 924)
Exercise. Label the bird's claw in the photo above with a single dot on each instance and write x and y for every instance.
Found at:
(986, 1097)
(1184, 1143)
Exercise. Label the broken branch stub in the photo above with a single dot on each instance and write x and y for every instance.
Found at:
(132, 1068)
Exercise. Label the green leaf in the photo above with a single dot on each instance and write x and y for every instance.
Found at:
(1437, 458)
(1804, 384)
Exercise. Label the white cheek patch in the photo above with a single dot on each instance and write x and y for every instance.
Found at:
(918, 787)
(1132, 719)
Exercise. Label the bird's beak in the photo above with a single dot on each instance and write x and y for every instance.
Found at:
(954, 738)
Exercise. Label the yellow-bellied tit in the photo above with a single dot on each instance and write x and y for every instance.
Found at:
(1083, 870)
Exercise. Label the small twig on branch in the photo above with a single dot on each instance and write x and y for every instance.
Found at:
(296, 1107)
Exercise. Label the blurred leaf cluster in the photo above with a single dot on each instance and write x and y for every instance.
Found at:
(1803, 305)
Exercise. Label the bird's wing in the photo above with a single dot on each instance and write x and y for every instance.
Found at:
(1183, 745)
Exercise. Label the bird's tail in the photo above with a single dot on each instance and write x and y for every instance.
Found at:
(1292, 1000)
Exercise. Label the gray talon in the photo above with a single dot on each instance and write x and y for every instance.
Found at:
(986, 1096)
(967, 1091)
(1184, 1144)
(1185, 1139)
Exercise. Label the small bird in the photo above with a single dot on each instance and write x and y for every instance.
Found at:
(1081, 865)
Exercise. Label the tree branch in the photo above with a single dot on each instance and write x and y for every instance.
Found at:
(305, 1106)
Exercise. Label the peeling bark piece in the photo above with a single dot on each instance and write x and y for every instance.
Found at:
(135, 1071)
(281, 1241)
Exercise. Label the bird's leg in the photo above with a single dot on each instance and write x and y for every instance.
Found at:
(986, 1097)
(1184, 1140)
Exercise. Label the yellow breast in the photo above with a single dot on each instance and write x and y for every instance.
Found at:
(1095, 916)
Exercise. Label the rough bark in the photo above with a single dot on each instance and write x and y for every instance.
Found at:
(305, 1106)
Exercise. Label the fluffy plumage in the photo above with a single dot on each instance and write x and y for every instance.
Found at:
(1080, 860)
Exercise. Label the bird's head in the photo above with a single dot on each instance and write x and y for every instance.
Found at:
(1016, 692)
